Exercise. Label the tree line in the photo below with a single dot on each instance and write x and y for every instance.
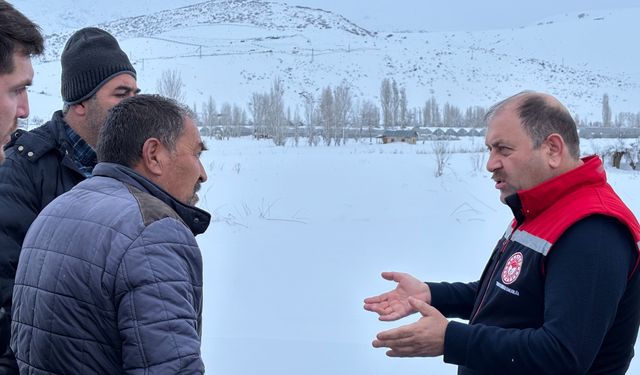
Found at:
(336, 115)
(331, 117)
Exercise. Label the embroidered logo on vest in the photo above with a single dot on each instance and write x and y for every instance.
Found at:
(512, 269)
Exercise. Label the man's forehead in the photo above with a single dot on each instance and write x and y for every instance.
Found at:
(191, 132)
(122, 81)
(21, 74)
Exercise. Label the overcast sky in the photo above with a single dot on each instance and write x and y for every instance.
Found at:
(451, 15)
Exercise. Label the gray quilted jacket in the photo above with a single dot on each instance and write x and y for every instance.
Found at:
(110, 281)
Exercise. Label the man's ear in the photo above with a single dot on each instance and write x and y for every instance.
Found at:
(79, 109)
(555, 149)
(153, 153)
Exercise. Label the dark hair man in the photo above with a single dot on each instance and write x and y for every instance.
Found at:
(19, 40)
(49, 160)
(110, 275)
(561, 290)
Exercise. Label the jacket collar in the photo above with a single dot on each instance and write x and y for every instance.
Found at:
(50, 136)
(527, 204)
(196, 219)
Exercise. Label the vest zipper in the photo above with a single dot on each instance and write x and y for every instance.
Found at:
(493, 272)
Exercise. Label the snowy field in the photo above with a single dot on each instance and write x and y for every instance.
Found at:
(301, 235)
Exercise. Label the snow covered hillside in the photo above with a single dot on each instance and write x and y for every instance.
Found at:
(233, 48)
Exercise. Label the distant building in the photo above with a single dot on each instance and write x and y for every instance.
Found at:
(406, 136)
(609, 132)
(474, 132)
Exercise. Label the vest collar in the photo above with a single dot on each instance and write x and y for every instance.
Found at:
(527, 204)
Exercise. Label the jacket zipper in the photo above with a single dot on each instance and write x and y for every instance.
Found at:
(493, 272)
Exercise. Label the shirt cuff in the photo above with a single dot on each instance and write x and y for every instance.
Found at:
(456, 339)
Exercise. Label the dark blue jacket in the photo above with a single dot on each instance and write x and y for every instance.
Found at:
(37, 169)
(561, 291)
(110, 281)
(588, 325)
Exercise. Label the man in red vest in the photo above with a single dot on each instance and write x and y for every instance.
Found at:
(560, 293)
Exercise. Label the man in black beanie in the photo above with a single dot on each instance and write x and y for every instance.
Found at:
(44, 163)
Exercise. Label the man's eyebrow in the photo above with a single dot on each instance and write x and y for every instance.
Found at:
(26, 82)
(127, 89)
(496, 142)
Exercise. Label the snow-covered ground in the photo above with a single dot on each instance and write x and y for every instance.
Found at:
(301, 235)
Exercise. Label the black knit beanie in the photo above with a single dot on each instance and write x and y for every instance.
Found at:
(90, 59)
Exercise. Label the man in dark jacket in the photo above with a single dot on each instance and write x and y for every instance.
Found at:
(561, 290)
(19, 40)
(110, 275)
(48, 161)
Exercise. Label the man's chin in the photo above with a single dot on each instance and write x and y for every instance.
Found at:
(194, 200)
(504, 195)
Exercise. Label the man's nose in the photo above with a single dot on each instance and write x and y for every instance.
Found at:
(22, 111)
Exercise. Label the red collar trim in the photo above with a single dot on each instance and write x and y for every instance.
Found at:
(537, 199)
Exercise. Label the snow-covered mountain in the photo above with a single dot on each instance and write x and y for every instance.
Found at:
(230, 49)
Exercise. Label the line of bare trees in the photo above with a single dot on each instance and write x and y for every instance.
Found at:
(332, 117)
(621, 120)
(337, 115)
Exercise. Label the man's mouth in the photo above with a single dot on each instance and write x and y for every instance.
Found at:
(195, 199)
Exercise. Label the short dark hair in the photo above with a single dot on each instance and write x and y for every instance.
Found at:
(540, 116)
(134, 120)
(17, 34)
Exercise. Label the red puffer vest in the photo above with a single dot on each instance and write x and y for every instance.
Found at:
(516, 268)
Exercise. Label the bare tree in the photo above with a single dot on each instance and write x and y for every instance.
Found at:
(606, 111)
(369, 117)
(310, 117)
(627, 120)
(395, 102)
(170, 85)
(226, 120)
(442, 153)
(238, 120)
(276, 116)
(451, 115)
(209, 116)
(386, 99)
(297, 123)
(403, 113)
(342, 104)
(259, 107)
(477, 156)
(431, 113)
(327, 115)
(474, 117)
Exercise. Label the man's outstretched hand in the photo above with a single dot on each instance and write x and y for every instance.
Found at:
(395, 304)
(424, 338)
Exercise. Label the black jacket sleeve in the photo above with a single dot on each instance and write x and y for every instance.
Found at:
(453, 300)
(20, 206)
(586, 277)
